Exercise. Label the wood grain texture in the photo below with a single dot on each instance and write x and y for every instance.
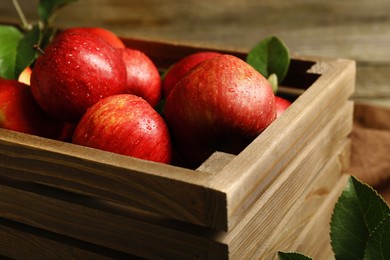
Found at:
(308, 241)
(260, 223)
(25, 242)
(103, 224)
(356, 30)
(299, 219)
(125, 180)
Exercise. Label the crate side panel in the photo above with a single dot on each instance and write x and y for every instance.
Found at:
(24, 242)
(267, 213)
(71, 216)
(314, 240)
(112, 177)
(306, 207)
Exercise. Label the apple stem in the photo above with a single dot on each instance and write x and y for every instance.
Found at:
(38, 49)
(19, 10)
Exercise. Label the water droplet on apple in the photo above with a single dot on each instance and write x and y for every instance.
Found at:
(231, 89)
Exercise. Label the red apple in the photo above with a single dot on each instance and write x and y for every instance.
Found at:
(67, 132)
(182, 67)
(143, 78)
(20, 112)
(125, 124)
(75, 71)
(281, 105)
(221, 104)
(107, 35)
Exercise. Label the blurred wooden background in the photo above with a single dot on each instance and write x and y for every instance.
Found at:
(354, 29)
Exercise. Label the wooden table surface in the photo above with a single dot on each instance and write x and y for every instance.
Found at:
(358, 30)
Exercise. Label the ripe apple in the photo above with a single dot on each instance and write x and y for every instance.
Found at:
(75, 71)
(125, 124)
(143, 78)
(107, 35)
(20, 112)
(281, 105)
(221, 104)
(182, 67)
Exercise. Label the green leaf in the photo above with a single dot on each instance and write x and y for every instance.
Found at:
(47, 9)
(378, 245)
(292, 256)
(9, 40)
(357, 214)
(25, 52)
(270, 56)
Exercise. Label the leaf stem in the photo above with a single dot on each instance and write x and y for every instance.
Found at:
(19, 10)
(38, 49)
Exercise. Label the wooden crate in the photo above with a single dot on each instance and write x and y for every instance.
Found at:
(62, 200)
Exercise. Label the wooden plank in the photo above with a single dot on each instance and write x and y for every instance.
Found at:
(314, 240)
(216, 162)
(305, 210)
(267, 213)
(23, 242)
(103, 224)
(250, 172)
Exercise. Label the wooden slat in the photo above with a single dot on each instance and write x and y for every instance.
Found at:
(103, 224)
(248, 175)
(307, 241)
(216, 162)
(305, 210)
(23, 242)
